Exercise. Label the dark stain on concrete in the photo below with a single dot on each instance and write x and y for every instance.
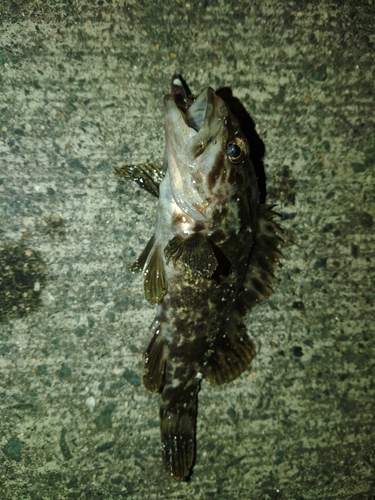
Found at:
(22, 279)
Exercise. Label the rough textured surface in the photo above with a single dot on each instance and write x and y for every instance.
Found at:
(80, 94)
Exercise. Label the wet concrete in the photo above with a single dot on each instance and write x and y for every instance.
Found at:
(80, 94)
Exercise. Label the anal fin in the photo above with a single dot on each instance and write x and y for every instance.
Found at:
(154, 360)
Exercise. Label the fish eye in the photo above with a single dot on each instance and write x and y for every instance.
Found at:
(235, 152)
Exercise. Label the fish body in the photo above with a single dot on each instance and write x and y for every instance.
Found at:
(211, 258)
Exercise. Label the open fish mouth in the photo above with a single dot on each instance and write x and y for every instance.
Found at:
(181, 93)
(194, 109)
(191, 127)
(181, 108)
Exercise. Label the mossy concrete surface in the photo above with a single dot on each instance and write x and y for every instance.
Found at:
(81, 86)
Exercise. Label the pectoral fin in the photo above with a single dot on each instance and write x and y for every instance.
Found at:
(147, 175)
(195, 252)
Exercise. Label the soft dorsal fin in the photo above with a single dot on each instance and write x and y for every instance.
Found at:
(195, 252)
(231, 355)
(233, 351)
(147, 175)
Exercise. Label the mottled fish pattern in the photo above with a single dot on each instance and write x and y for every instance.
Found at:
(210, 259)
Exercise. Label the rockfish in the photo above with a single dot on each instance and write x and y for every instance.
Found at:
(210, 259)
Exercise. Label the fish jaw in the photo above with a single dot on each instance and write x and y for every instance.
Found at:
(194, 140)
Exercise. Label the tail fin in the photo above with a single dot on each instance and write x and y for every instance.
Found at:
(178, 414)
(178, 384)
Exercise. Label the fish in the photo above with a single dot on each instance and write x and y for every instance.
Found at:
(211, 258)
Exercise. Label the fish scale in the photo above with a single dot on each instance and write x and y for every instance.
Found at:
(210, 260)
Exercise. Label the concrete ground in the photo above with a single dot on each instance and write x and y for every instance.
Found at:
(81, 86)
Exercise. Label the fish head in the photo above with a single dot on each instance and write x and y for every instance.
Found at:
(208, 160)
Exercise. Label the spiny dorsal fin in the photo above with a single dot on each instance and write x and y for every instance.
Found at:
(195, 252)
(232, 354)
(154, 360)
(154, 279)
(147, 175)
(264, 260)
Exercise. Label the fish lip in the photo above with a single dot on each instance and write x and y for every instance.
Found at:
(175, 118)
(181, 127)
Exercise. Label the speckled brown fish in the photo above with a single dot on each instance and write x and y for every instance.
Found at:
(211, 258)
